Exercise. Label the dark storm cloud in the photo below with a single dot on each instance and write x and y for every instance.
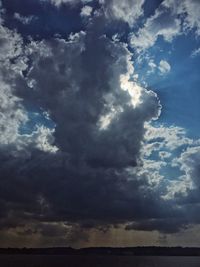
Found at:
(77, 81)
(85, 170)
(87, 179)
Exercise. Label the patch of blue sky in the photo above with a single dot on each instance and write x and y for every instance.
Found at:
(178, 90)
(171, 172)
(35, 119)
(150, 7)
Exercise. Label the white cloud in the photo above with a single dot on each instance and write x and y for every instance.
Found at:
(42, 138)
(12, 115)
(160, 145)
(24, 19)
(152, 66)
(168, 137)
(186, 184)
(164, 67)
(58, 3)
(86, 11)
(164, 154)
(127, 10)
(11, 44)
(162, 23)
(172, 18)
(189, 10)
(192, 21)
(196, 52)
(12, 112)
(189, 162)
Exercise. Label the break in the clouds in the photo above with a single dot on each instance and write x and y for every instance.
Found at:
(82, 146)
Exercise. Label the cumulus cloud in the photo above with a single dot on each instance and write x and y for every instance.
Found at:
(86, 11)
(11, 45)
(100, 162)
(161, 145)
(78, 169)
(12, 115)
(162, 23)
(152, 66)
(127, 11)
(170, 20)
(181, 189)
(164, 67)
(189, 10)
(188, 185)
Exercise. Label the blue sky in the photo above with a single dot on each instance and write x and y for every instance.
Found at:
(179, 89)
(99, 122)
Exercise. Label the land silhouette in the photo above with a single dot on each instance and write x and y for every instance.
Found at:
(132, 251)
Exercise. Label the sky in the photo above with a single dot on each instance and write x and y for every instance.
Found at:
(99, 123)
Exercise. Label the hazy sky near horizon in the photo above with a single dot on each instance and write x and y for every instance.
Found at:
(99, 122)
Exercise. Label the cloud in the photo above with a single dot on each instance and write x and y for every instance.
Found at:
(168, 149)
(23, 19)
(188, 162)
(100, 162)
(164, 67)
(169, 20)
(127, 11)
(196, 52)
(58, 3)
(189, 10)
(166, 226)
(162, 23)
(90, 169)
(11, 45)
(13, 114)
(164, 154)
(2, 11)
(86, 11)
(76, 171)
(170, 137)
(152, 65)
(162, 149)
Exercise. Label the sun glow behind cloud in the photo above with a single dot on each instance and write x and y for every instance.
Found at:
(134, 90)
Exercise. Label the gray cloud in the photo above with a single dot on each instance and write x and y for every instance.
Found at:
(88, 168)
(78, 83)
